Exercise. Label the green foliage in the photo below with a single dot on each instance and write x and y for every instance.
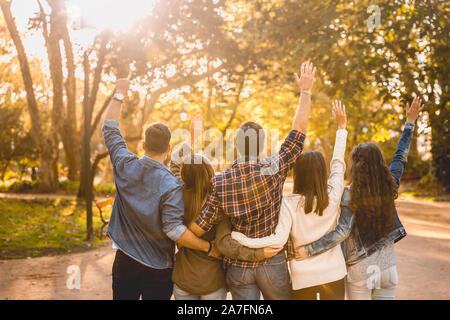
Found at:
(106, 189)
(69, 186)
(233, 61)
(429, 183)
(16, 145)
(43, 227)
(21, 187)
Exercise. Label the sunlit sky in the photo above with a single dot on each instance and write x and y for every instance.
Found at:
(117, 15)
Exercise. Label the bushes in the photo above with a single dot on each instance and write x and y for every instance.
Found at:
(65, 187)
(69, 186)
(20, 187)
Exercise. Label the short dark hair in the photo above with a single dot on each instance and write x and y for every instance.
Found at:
(157, 138)
(245, 139)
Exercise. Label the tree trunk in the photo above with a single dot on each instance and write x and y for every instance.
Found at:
(67, 127)
(90, 97)
(440, 144)
(86, 190)
(86, 141)
(46, 146)
(48, 172)
(70, 137)
(108, 176)
(236, 105)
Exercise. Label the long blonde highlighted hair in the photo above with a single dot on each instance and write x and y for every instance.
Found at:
(196, 174)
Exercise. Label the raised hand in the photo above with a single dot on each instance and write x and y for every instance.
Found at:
(412, 112)
(196, 125)
(270, 252)
(306, 80)
(122, 86)
(338, 111)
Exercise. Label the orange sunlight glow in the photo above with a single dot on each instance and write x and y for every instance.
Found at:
(87, 18)
(117, 15)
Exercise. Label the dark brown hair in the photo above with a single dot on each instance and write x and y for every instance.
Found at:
(248, 134)
(311, 181)
(373, 191)
(157, 138)
(196, 174)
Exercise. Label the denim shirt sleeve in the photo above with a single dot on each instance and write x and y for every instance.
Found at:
(335, 237)
(115, 143)
(172, 213)
(401, 154)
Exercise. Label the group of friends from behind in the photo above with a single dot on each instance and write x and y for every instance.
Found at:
(236, 231)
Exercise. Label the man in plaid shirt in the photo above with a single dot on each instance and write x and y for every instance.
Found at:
(250, 194)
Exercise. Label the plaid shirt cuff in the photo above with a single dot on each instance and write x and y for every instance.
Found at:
(296, 137)
(202, 223)
(290, 249)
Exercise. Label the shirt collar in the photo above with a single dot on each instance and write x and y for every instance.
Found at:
(152, 162)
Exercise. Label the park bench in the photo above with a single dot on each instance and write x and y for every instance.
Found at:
(101, 204)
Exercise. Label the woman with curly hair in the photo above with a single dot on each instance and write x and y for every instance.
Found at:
(369, 224)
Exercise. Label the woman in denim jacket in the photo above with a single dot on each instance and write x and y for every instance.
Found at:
(369, 224)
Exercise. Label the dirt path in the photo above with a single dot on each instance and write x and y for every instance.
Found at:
(423, 259)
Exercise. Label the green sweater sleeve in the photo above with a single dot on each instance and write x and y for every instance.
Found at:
(233, 249)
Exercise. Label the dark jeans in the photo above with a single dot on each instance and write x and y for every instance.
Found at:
(272, 279)
(131, 280)
(328, 291)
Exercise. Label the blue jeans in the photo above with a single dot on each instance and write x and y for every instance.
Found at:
(271, 279)
(180, 294)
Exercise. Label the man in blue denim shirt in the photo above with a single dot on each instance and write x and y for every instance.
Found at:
(147, 216)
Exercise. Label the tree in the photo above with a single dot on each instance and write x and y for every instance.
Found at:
(46, 143)
(16, 145)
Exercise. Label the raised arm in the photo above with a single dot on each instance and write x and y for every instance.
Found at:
(185, 148)
(276, 240)
(337, 165)
(401, 154)
(113, 112)
(305, 83)
(114, 141)
(233, 249)
(283, 161)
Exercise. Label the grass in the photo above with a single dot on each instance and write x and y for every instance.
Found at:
(424, 196)
(44, 227)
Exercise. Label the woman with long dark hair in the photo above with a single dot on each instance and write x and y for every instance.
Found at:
(369, 225)
(308, 213)
(196, 275)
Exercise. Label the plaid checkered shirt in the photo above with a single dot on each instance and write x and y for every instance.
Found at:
(250, 193)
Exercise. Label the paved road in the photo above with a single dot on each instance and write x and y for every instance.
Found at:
(423, 262)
